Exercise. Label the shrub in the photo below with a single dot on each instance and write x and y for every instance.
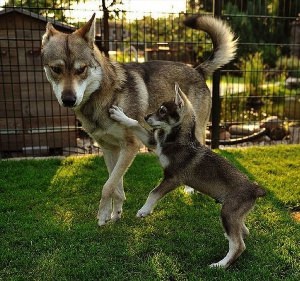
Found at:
(253, 72)
(290, 65)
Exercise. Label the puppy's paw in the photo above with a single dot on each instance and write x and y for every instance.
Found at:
(189, 190)
(217, 265)
(118, 114)
(143, 213)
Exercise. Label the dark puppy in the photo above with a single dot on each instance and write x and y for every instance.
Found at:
(186, 161)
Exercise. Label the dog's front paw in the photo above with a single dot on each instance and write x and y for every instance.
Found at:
(103, 219)
(105, 212)
(116, 215)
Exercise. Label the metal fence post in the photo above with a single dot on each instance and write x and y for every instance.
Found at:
(216, 101)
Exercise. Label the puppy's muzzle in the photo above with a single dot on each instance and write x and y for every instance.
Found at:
(150, 120)
(147, 117)
(68, 98)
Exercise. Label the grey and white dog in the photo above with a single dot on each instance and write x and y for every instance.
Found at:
(89, 83)
(186, 161)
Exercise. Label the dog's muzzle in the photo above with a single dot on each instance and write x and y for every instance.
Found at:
(68, 98)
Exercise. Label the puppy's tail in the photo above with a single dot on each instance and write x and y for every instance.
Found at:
(223, 40)
(259, 192)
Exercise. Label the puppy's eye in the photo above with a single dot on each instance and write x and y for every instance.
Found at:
(80, 70)
(57, 69)
(162, 111)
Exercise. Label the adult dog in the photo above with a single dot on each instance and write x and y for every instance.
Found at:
(89, 83)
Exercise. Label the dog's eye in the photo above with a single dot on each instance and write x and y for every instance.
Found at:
(56, 69)
(80, 70)
(162, 110)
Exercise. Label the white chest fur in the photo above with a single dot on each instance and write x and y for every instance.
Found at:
(163, 159)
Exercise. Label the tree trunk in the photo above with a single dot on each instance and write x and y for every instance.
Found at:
(105, 39)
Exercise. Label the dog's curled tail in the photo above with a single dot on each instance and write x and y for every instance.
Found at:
(222, 37)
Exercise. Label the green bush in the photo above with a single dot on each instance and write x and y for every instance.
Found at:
(290, 65)
(254, 74)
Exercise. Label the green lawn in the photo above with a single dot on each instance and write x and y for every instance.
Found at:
(48, 228)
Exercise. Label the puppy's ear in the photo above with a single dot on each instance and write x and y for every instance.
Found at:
(50, 31)
(87, 32)
(178, 96)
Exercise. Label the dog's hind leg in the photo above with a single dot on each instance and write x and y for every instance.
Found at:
(233, 225)
(236, 248)
(113, 191)
(245, 230)
(155, 195)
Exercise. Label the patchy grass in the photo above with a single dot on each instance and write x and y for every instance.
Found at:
(48, 228)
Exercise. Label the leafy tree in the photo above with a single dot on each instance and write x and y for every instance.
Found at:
(198, 6)
(187, 44)
(57, 9)
(44, 7)
(260, 25)
(106, 7)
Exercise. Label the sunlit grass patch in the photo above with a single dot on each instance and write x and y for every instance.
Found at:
(48, 228)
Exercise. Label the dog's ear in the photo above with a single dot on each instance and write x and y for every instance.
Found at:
(50, 31)
(178, 96)
(87, 32)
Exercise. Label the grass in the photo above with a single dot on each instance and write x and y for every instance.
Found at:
(48, 229)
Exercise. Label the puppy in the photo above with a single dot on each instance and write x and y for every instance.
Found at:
(187, 162)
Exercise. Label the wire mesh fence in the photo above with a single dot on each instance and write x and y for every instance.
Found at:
(259, 90)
